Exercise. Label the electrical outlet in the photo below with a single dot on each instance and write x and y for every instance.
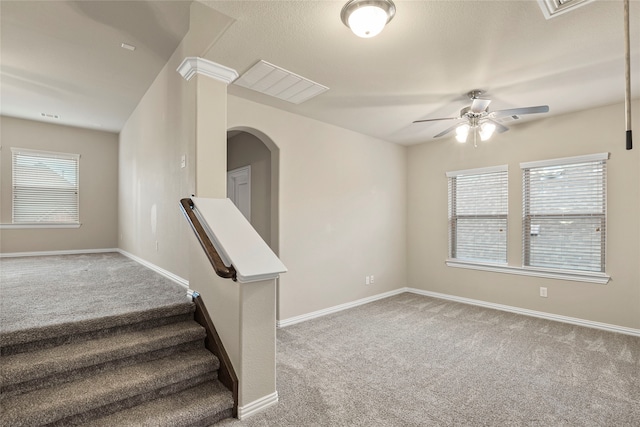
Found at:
(371, 280)
(543, 292)
(366, 280)
(156, 246)
(183, 161)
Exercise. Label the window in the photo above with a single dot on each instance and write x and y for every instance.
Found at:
(478, 202)
(564, 213)
(45, 187)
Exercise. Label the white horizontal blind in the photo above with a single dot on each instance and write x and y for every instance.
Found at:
(478, 207)
(564, 207)
(45, 187)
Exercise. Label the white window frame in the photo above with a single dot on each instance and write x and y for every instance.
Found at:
(453, 259)
(17, 222)
(547, 273)
(528, 216)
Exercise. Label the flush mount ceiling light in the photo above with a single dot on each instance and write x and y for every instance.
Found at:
(367, 18)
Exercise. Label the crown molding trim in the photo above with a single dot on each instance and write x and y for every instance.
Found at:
(193, 65)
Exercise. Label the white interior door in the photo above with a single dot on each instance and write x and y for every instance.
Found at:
(239, 189)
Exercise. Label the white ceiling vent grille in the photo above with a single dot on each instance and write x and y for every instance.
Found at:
(552, 8)
(275, 81)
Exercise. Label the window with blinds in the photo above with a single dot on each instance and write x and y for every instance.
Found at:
(45, 187)
(478, 205)
(564, 208)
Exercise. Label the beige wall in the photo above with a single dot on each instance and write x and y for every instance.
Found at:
(176, 118)
(342, 207)
(156, 136)
(245, 149)
(158, 133)
(98, 186)
(592, 131)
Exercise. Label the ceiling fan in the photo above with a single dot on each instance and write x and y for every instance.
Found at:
(476, 117)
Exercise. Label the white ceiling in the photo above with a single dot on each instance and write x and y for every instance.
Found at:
(65, 58)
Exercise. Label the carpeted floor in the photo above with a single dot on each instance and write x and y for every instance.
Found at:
(103, 340)
(54, 291)
(411, 360)
(407, 360)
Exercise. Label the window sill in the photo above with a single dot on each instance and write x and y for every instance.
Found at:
(547, 273)
(39, 225)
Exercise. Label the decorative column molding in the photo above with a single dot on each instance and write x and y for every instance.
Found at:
(193, 65)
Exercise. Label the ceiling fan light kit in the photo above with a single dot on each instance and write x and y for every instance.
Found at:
(462, 132)
(480, 121)
(486, 130)
(367, 18)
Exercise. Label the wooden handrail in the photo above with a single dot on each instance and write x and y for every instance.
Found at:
(186, 205)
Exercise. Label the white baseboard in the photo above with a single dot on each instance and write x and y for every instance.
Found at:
(52, 253)
(169, 275)
(336, 308)
(540, 314)
(526, 312)
(257, 405)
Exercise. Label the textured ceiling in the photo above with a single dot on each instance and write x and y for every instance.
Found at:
(420, 66)
(64, 58)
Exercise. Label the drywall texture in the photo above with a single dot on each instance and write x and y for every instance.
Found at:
(593, 131)
(342, 208)
(179, 118)
(98, 186)
(245, 149)
(160, 131)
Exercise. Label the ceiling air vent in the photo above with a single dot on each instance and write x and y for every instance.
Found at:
(275, 81)
(552, 8)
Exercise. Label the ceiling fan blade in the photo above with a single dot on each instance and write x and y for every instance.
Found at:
(446, 131)
(479, 105)
(521, 111)
(435, 120)
(499, 126)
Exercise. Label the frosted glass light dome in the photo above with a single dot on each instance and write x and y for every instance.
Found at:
(462, 132)
(367, 18)
(367, 21)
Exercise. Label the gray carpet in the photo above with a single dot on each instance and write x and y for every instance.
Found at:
(44, 295)
(411, 360)
(100, 339)
(408, 360)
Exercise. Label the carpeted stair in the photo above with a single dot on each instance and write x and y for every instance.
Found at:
(138, 368)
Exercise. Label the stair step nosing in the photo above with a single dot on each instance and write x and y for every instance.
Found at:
(195, 401)
(50, 405)
(24, 336)
(17, 368)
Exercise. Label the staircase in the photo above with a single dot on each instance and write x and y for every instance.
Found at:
(143, 368)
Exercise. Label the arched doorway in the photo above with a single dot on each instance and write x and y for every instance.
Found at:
(247, 147)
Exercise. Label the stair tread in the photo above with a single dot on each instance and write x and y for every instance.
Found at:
(51, 404)
(22, 367)
(82, 326)
(199, 402)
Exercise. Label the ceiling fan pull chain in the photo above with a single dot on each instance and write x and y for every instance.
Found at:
(627, 76)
